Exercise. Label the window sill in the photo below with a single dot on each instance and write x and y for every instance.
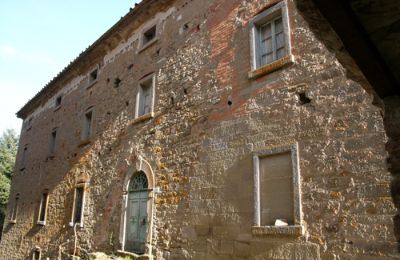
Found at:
(135, 256)
(142, 118)
(72, 224)
(12, 222)
(50, 157)
(22, 169)
(84, 143)
(295, 230)
(41, 223)
(91, 84)
(287, 60)
(147, 45)
(29, 128)
(57, 108)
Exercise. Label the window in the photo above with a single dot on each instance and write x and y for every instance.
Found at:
(87, 125)
(145, 97)
(52, 144)
(36, 254)
(14, 210)
(93, 77)
(58, 102)
(23, 159)
(29, 123)
(148, 37)
(270, 39)
(277, 193)
(43, 208)
(79, 204)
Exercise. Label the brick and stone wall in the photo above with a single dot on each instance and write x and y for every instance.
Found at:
(209, 119)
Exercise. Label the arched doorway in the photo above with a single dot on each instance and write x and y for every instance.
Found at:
(137, 221)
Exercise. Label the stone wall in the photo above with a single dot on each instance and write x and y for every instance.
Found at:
(209, 119)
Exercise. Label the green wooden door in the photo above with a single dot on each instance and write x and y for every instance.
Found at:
(136, 214)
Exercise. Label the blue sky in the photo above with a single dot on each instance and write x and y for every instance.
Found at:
(38, 38)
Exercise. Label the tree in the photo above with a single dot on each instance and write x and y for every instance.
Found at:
(8, 152)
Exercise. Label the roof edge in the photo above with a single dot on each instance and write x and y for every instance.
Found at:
(34, 102)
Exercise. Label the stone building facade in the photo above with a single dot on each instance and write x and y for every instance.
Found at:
(219, 129)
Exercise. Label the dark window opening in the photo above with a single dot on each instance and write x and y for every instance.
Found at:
(43, 207)
(149, 35)
(78, 205)
(88, 125)
(14, 210)
(53, 137)
(36, 254)
(58, 101)
(93, 76)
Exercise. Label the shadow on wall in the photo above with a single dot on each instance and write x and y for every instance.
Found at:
(390, 104)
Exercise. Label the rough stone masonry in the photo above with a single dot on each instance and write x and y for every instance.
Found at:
(213, 114)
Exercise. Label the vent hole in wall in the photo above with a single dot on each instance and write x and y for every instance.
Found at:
(117, 82)
(303, 99)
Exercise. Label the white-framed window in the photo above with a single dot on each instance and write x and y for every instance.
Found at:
(36, 253)
(270, 38)
(277, 201)
(87, 124)
(52, 142)
(14, 210)
(145, 97)
(149, 36)
(93, 77)
(79, 205)
(42, 216)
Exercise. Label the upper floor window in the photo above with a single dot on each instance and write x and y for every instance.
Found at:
(79, 205)
(24, 156)
(52, 144)
(58, 101)
(148, 37)
(28, 123)
(270, 39)
(93, 76)
(87, 124)
(43, 208)
(36, 254)
(145, 97)
(277, 192)
(14, 210)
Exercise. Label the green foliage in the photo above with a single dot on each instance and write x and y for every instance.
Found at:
(8, 152)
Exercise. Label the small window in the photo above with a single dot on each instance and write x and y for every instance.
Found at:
(145, 96)
(58, 101)
(270, 38)
(87, 125)
(14, 210)
(277, 196)
(24, 156)
(79, 201)
(28, 123)
(93, 76)
(149, 35)
(52, 144)
(43, 208)
(36, 254)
